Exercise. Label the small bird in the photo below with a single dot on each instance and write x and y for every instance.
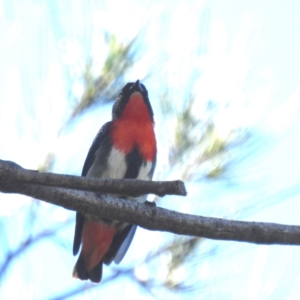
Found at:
(125, 147)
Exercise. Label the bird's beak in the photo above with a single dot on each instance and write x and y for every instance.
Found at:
(137, 87)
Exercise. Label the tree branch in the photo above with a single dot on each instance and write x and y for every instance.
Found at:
(154, 218)
(12, 175)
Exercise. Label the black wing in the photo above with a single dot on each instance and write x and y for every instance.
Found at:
(101, 144)
(101, 140)
(117, 243)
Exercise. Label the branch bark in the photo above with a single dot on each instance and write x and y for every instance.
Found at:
(151, 217)
(12, 176)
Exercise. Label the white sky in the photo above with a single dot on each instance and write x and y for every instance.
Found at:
(250, 61)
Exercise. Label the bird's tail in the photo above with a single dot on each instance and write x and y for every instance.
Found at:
(80, 270)
(97, 237)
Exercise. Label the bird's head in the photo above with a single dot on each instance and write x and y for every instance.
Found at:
(133, 103)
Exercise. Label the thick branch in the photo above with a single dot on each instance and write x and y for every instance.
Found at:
(154, 218)
(12, 175)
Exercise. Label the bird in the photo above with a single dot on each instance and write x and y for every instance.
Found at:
(124, 147)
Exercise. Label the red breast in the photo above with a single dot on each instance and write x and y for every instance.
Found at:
(135, 128)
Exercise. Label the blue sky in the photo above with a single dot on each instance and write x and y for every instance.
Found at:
(244, 55)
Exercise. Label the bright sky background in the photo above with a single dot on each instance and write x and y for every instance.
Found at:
(248, 63)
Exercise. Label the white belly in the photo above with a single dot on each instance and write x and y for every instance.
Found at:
(116, 168)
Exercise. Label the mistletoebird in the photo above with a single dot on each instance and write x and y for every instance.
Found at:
(125, 147)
